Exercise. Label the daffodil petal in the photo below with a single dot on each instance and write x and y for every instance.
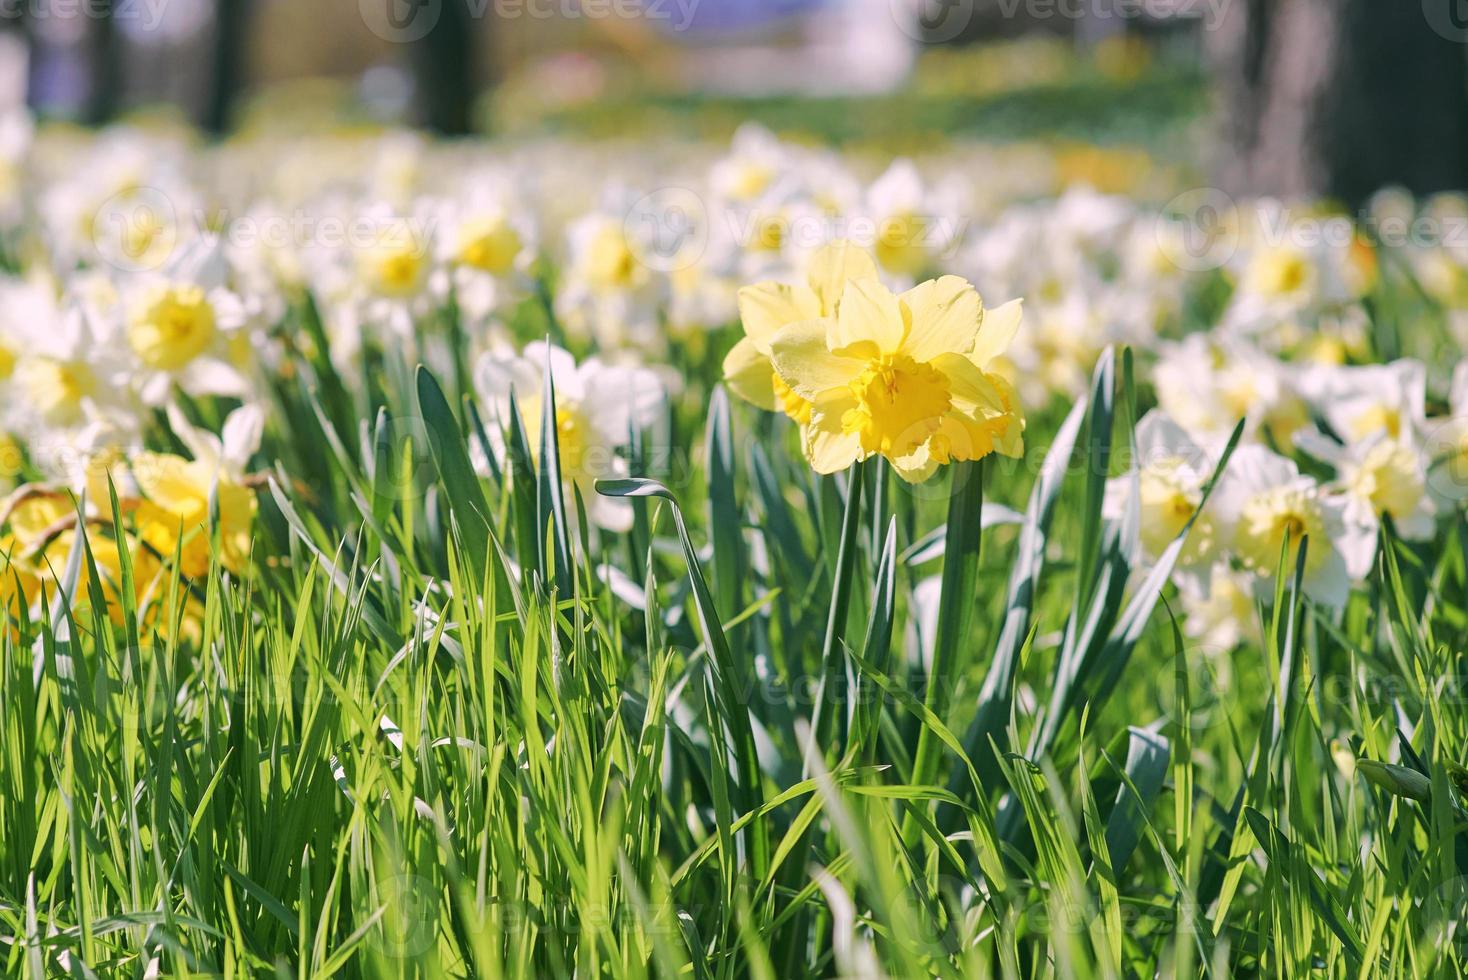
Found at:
(806, 364)
(750, 375)
(973, 391)
(828, 446)
(870, 320)
(832, 266)
(944, 318)
(171, 482)
(917, 465)
(996, 332)
(766, 307)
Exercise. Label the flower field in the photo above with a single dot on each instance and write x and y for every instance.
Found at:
(559, 558)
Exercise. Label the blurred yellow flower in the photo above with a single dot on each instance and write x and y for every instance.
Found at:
(175, 514)
(905, 377)
(173, 325)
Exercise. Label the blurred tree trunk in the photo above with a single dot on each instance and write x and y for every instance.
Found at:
(1339, 98)
(231, 34)
(444, 71)
(105, 84)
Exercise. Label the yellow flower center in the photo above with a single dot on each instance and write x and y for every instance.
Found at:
(1239, 394)
(769, 235)
(751, 180)
(7, 361)
(142, 233)
(489, 245)
(1168, 500)
(571, 439)
(397, 270)
(611, 262)
(1376, 419)
(900, 402)
(55, 387)
(1389, 478)
(1278, 272)
(174, 326)
(1278, 516)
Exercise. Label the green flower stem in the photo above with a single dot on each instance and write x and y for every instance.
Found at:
(955, 613)
(833, 663)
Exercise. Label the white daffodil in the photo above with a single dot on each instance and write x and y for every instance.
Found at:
(1293, 266)
(184, 326)
(1375, 400)
(1265, 506)
(915, 225)
(123, 201)
(1207, 384)
(1170, 473)
(1219, 609)
(1446, 444)
(612, 285)
(16, 133)
(394, 258)
(598, 408)
(755, 161)
(486, 245)
(1379, 476)
(69, 368)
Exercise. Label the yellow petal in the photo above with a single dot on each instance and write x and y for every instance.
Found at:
(945, 315)
(870, 321)
(828, 447)
(33, 516)
(750, 375)
(832, 266)
(172, 483)
(806, 364)
(996, 332)
(972, 391)
(917, 465)
(766, 307)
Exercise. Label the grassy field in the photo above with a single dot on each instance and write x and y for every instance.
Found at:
(427, 719)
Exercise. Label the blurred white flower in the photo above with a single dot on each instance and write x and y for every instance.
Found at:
(1265, 506)
(598, 408)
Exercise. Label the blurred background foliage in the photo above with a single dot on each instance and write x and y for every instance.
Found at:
(847, 72)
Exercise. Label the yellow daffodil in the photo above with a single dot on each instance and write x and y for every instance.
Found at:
(903, 376)
(35, 552)
(767, 307)
(175, 515)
